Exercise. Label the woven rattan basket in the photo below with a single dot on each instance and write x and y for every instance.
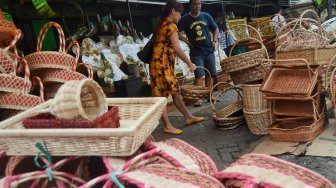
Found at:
(79, 99)
(51, 59)
(257, 122)
(230, 116)
(253, 99)
(296, 130)
(290, 80)
(192, 92)
(138, 119)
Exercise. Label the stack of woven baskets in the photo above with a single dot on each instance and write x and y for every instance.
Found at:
(55, 68)
(14, 89)
(297, 107)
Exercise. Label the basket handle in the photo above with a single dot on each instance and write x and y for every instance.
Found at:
(229, 87)
(26, 85)
(38, 81)
(249, 38)
(88, 68)
(44, 31)
(331, 85)
(197, 67)
(315, 15)
(74, 43)
(304, 61)
(248, 27)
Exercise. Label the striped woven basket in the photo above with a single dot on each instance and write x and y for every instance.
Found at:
(259, 170)
(188, 156)
(12, 83)
(21, 101)
(9, 59)
(52, 59)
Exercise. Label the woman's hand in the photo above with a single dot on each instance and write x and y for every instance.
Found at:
(192, 67)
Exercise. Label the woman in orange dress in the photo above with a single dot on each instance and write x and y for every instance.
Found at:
(163, 79)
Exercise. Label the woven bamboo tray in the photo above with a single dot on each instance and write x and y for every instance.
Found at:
(296, 130)
(138, 119)
(290, 80)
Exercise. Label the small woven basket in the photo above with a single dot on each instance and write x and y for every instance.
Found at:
(253, 99)
(110, 119)
(21, 101)
(230, 116)
(51, 59)
(79, 99)
(192, 92)
(257, 122)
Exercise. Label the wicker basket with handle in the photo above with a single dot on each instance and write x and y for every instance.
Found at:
(285, 79)
(192, 92)
(138, 119)
(51, 59)
(231, 116)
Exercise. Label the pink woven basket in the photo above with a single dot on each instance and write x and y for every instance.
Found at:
(12, 83)
(63, 75)
(51, 59)
(21, 101)
(259, 170)
(8, 59)
(188, 156)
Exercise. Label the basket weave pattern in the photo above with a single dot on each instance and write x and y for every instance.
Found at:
(18, 101)
(60, 75)
(253, 99)
(257, 122)
(10, 83)
(138, 119)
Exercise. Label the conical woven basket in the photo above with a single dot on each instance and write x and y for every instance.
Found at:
(79, 99)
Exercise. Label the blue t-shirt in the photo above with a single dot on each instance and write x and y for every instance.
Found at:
(198, 32)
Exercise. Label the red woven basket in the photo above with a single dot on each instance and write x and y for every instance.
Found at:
(12, 83)
(7, 30)
(21, 101)
(51, 59)
(108, 120)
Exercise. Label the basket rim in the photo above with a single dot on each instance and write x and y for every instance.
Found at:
(156, 102)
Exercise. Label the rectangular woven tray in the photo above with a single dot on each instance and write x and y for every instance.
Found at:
(138, 119)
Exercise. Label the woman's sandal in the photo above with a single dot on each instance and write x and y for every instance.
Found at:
(194, 120)
(174, 132)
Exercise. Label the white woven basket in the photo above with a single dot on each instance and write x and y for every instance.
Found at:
(138, 119)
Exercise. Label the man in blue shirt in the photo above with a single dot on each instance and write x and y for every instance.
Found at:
(197, 26)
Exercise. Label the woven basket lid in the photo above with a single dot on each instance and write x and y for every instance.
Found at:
(7, 30)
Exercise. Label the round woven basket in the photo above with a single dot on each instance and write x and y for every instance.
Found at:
(257, 122)
(79, 99)
(192, 92)
(52, 59)
(253, 99)
(7, 29)
(230, 116)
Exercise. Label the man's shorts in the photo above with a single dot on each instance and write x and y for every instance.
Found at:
(205, 61)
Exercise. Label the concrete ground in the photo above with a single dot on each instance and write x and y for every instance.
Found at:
(224, 147)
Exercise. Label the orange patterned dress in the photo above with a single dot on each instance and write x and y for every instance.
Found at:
(161, 67)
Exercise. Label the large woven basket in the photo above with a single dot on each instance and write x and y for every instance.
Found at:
(79, 99)
(253, 99)
(257, 122)
(192, 92)
(250, 75)
(296, 130)
(138, 119)
(260, 170)
(231, 116)
(290, 80)
(52, 59)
